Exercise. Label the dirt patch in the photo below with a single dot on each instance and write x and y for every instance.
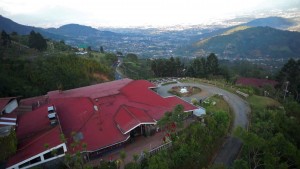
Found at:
(101, 77)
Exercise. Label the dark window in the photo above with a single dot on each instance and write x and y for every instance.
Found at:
(33, 161)
(54, 153)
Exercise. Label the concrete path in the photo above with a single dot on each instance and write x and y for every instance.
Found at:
(241, 109)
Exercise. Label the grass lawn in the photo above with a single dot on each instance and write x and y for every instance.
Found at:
(261, 102)
(167, 83)
(220, 104)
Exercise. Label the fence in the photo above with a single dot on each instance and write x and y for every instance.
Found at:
(155, 150)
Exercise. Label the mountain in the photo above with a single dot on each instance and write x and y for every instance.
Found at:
(274, 22)
(10, 26)
(255, 42)
(76, 30)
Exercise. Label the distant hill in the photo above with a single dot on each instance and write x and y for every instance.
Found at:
(10, 26)
(75, 34)
(76, 30)
(274, 22)
(252, 43)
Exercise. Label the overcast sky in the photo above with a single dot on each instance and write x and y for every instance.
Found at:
(54, 13)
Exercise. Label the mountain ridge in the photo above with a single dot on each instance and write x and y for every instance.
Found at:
(254, 42)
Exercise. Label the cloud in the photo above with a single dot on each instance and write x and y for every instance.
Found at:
(130, 12)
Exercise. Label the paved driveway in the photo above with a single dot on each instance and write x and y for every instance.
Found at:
(232, 145)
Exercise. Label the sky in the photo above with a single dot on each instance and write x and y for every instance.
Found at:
(124, 13)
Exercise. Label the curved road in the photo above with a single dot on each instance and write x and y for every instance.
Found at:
(231, 147)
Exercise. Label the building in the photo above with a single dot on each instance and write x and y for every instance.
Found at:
(103, 116)
(7, 118)
(254, 82)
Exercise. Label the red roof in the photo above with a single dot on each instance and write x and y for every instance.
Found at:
(5, 101)
(174, 100)
(255, 82)
(97, 127)
(36, 145)
(101, 113)
(93, 91)
(129, 117)
(33, 132)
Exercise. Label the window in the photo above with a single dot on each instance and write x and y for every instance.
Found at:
(33, 161)
(54, 153)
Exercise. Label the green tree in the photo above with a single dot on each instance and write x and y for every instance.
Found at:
(290, 73)
(101, 49)
(123, 155)
(107, 165)
(212, 64)
(8, 145)
(240, 164)
(132, 165)
(172, 119)
(159, 161)
(37, 41)
(5, 38)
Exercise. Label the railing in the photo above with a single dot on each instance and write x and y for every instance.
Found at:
(155, 150)
(161, 147)
(243, 94)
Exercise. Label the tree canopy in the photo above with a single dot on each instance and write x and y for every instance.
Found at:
(37, 41)
(290, 75)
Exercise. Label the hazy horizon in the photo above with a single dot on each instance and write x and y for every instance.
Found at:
(135, 13)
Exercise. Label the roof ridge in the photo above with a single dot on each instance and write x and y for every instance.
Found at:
(131, 113)
(142, 110)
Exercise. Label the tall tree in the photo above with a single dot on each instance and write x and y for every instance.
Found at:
(5, 38)
(290, 75)
(37, 41)
(212, 64)
(8, 145)
(101, 49)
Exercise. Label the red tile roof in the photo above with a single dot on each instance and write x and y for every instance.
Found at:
(174, 100)
(255, 82)
(97, 127)
(93, 91)
(129, 117)
(96, 112)
(36, 145)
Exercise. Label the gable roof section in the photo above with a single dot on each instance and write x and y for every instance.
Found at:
(127, 118)
(96, 127)
(93, 91)
(139, 91)
(174, 100)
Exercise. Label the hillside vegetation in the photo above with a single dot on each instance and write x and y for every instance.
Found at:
(252, 43)
(30, 72)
